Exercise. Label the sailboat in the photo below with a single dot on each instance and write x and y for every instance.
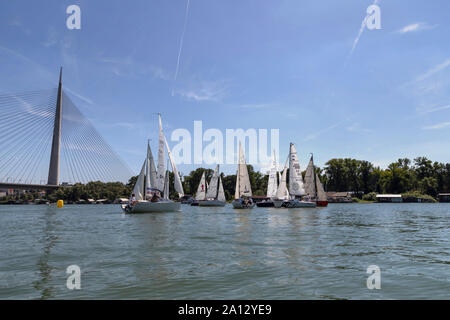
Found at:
(215, 195)
(296, 187)
(200, 195)
(282, 194)
(154, 180)
(243, 193)
(313, 186)
(272, 185)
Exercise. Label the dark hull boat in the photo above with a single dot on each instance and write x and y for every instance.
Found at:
(265, 204)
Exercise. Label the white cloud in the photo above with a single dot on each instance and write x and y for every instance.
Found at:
(313, 136)
(437, 126)
(206, 91)
(128, 67)
(257, 106)
(52, 38)
(435, 109)
(79, 96)
(15, 22)
(416, 27)
(127, 125)
(433, 70)
(356, 127)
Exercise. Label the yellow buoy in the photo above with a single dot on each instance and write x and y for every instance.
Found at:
(60, 203)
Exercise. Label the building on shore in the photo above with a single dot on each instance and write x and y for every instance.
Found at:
(339, 197)
(395, 198)
(444, 197)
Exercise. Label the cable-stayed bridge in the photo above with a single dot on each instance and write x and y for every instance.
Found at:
(46, 143)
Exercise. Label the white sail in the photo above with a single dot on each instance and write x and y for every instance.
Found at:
(201, 190)
(221, 194)
(245, 188)
(310, 184)
(166, 186)
(150, 172)
(281, 192)
(212, 189)
(272, 183)
(321, 195)
(161, 157)
(296, 187)
(138, 189)
(178, 184)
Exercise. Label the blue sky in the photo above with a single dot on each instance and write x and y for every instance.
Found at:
(285, 65)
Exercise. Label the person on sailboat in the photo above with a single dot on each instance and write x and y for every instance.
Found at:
(132, 201)
(155, 198)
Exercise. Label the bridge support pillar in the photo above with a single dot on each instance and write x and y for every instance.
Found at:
(53, 170)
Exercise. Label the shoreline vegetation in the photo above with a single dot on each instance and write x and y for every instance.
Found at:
(420, 178)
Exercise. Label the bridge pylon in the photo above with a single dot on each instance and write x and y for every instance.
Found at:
(53, 170)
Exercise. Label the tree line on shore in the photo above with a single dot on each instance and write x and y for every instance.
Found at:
(418, 176)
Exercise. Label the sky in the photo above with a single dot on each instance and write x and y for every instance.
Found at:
(307, 68)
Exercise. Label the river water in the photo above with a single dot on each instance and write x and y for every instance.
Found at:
(221, 253)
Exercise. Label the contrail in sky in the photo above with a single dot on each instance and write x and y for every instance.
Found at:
(361, 30)
(181, 40)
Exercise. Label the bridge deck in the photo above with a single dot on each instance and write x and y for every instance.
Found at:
(23, 186)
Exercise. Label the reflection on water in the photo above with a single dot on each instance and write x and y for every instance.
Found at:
(221, 253)
(242, 238)
(48, 240)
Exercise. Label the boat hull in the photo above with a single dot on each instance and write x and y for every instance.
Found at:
(211, 203)
(152, 207)
(278, 203)
(294, 204)
(299, 204)
(322, 203)
(239, 204)
(265, 204)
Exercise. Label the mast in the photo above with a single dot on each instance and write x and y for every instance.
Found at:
(53, 170)
(236, 191)
(161, 159)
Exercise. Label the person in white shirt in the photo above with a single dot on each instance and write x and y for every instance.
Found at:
(132, 201)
